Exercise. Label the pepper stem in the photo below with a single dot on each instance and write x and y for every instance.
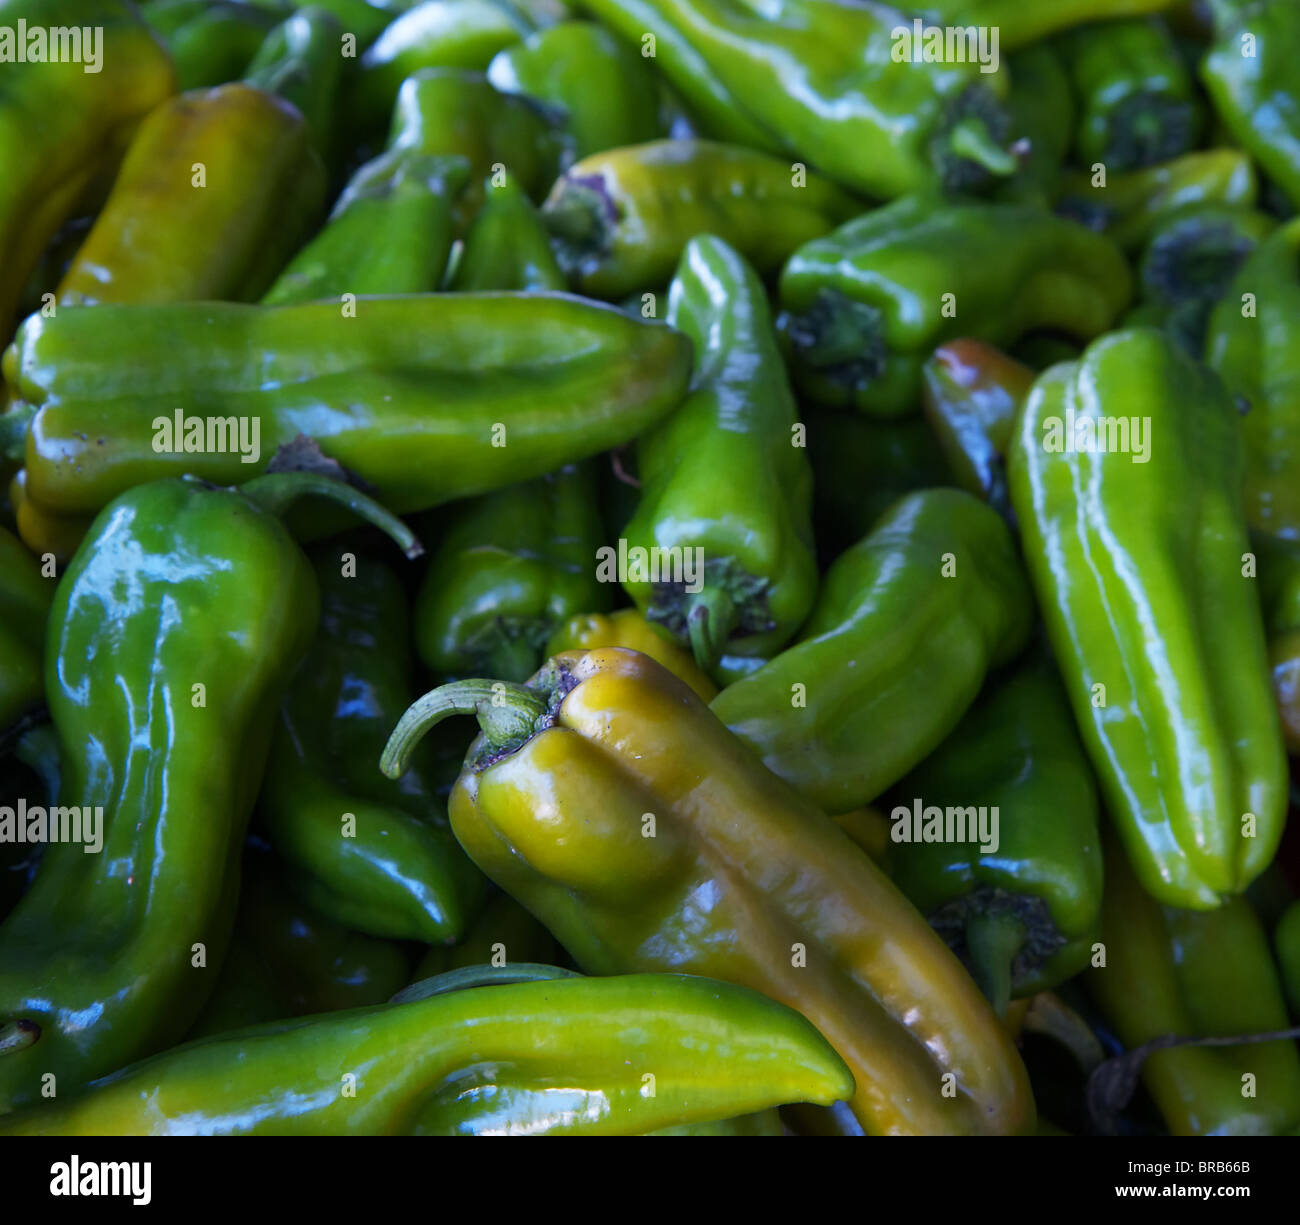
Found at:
(276, 491)
(481, 976)
(992, 942)
(970, 139)
(18, 1036)
(505, 712)
(709, 622)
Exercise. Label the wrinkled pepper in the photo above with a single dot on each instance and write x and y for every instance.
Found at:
(605, 797)
(1253, 343)
(512, 566)
(863, 307)
(546, 1055)
(211, 41)
(1125, 477)
(25, 595)
(84, 120)
(371, 854)
(621, 219)
(822, 80)
(906, 626)
(1137, 99)
(1249, 73)
(507, 246)
(606, 92)
(747, 574)
(426, 397)
(1017, 894)
(172, 636)
(1197, 974)
(217, 191)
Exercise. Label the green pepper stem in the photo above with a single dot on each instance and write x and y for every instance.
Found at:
(710, 620)
(481, 976)
(505, 712)
(992, 942)
(970, 139)
(276, 491)
(18, 1036)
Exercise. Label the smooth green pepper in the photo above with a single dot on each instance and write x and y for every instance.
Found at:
(545, 1055)
(173, 634)
(1017, 893)
(822, 81)
(863, 307)
(723, 532)
(374, 855)
(427, 397)
(1253, 343)
(507, 246)
(211, 41)
(25, 595)
(620, 220)
(1199, 975)
(906, 626)
(1125, 476)
(1042, 113)
(1137, 99)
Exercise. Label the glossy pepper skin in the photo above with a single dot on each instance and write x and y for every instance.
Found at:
(409, 394)
(1197, 974)
(621, 219)
(863, 307)
(747, 536)
(166, 236)
(1024, 915)
(541, 1056)
(84, 119)
(390, 232)
(374, 855)
(25, 596)
(628, 628)
(513, 566)
(1137, 99)
(210, 43)
(1157, 633)
(1253, 343)
(606, 92)
(971, 393)
(906, 626)
(819, 80)
(1128, 207)
(507, 246)
(554, 804)
(179, 584)
(1249, 73)
(1279, 589)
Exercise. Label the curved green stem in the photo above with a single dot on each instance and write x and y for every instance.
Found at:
(710, 621)
(276, 491)
(481, 976)
(505, 713)
(992, 942)
(18, 1036)
(970, 139)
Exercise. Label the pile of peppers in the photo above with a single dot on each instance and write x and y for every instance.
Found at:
(649, 567)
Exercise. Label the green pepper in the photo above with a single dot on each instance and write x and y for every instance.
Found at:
(1279, 578)
(512, 567)
(863, 307)
(371, 854)
(1020, 23)
(172, 635)
(503, 934)
(42, 531)
(25, 595)
(217, 191)
(1286, 940)
(359, 20)
(1125, 476)
(1249, 73)
(1043, 114)
(1190, 262)
(607, 93)
(861, 467)
(906, 626)
(507, 246)
(462, 34)
(390, 232)
(971, 395)
(720, 550)
(1205, 975)
(1129, 207)
(620, 220)
(426, 397)
(824, 81)
(1253, 343)
(1137, 99)
(1017, 892)
(607, 799)
(300, 61)
(62, 128)
(211, 41)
